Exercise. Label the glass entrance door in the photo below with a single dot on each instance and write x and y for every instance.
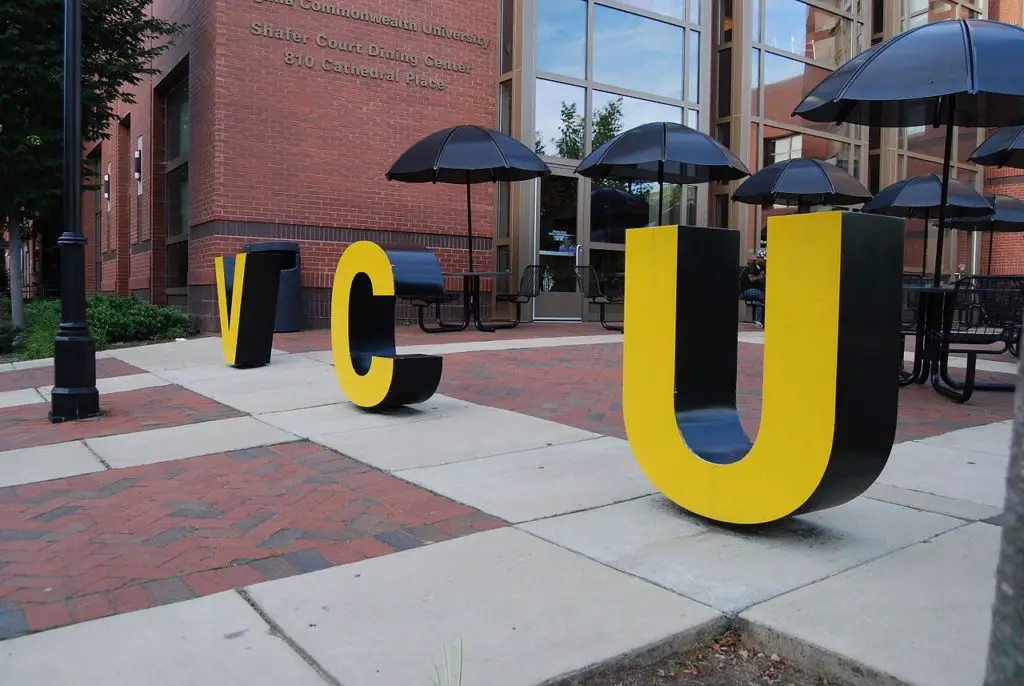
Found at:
(558, 247)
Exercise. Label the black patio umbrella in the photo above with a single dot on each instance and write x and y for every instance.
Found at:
(467, 154)
(803, 181)
(962, 72)
(919, 195)
(1008, 217)
(663, 152)
(1004, 148)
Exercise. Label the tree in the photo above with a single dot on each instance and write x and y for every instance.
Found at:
(1006, 643)
(570, 140)
(606, 124)
(120, 40)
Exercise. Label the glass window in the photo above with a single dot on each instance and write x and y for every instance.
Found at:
(634, 52)
(878, 16)
(693, 67)
(508, 22)
(916, 167)
(966, 142)
(786, 82)
(924, 140)
(725, 21)
(562, 37)
(780, 144)
(695, 11)
(176, 114)
(177, 265)
(177, 201)
(558, 120)
(614, 114)
(724, 82)
(505, 107)
(556, 231)
(693, 119)
(671, 8)
(874, 173)
(918, 12)
(796, 27)
(755, 21)
(755, 82)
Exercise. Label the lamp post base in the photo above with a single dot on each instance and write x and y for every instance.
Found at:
(75, 395)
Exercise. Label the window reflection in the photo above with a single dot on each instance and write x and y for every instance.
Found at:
(614, 114)
(671, 8)
(634, 52)
(781, 145)
(924, 140)
(919, 12)
(693, 67)
(562, 37)
(786, 82)
(556, 238)
(796, 27)
(558, 120)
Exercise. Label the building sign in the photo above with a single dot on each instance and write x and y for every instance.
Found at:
(346, 56)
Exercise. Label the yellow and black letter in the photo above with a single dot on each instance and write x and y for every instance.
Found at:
(832, 350)
(247, 299)
(366, 283)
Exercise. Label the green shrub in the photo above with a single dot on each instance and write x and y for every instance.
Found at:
(111, 320)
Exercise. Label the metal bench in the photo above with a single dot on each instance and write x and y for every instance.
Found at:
(530, 286)
(590, 285)
(983, 311)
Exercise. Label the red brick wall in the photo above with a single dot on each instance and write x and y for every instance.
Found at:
(274, 143)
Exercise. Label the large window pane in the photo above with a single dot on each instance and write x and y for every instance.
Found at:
(798, 28)
(672, 8)
(924, 140)
(634, 52)
(558, 120)
(556, 238)
(177, 264)
(562, 37)
(177, 202)
(724, 90)
(614, 114)
(755, 82)
(918, 12)
(177, 122)
(508, 22)
(693, 67)
(780, 145)
(786, 82)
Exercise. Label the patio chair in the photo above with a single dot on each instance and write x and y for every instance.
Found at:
(590, 286)
(422, 302)
(530, 286)
(985, 311)
(750, 303)
(909, 318)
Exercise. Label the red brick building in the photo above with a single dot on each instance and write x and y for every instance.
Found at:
(277, 120)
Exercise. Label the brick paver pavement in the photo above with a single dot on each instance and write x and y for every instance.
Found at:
(99, 544)
(582, 386)
(37, 377)
(27, 426)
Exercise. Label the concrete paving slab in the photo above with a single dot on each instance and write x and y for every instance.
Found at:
(33, 364)
(160, 357)
(538, 483)
(921, 615)
(279, 362)
(961, 509)
(327, 420)
(24, 396)
(978, 477)
(192, 440)
(217, 639)
(118, 384)
(42, 463)
(731, 569)
(473, 432)
(525, 610)
(989, 438)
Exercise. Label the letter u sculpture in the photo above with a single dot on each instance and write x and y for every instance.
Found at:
(831, 354)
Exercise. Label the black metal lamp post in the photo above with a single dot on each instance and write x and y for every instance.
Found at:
(74, 393)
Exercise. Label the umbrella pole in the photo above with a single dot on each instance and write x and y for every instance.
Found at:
(947, 154)
(924, 256)
(469, 222)
(991, 245)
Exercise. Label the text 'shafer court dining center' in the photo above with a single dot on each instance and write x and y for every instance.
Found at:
(277, 120)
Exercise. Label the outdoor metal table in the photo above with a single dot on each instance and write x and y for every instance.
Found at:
(934, 309)
(471, 301)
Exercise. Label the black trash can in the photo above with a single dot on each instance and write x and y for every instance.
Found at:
(289, 293)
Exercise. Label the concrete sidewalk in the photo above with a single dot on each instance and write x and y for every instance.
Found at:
(540, 547)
